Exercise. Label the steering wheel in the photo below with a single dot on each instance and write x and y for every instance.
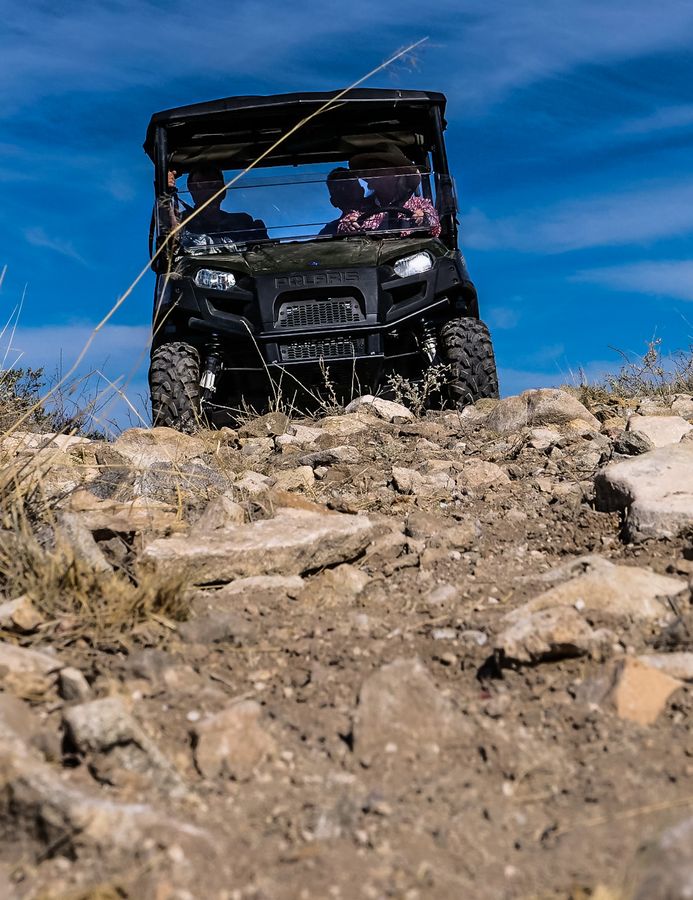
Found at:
(398, 210)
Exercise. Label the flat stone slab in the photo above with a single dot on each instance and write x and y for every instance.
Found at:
(384, 409)
(556, 623)
(145, 447)
(546, 406)
(655, 490)
(293, 542)
(660, 430)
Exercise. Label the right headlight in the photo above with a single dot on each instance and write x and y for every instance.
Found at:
(214, 279)
(414, 264)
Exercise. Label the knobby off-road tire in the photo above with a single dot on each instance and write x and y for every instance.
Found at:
(467, 349)
(174, 385)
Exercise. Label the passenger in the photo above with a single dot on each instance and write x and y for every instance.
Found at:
(394, 190)
(203, 184)
(347, 195)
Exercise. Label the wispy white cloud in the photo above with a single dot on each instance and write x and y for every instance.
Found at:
(511, 45)
(497, 46)
(503, 317)
(37, 237)
(57, 346)
(647, 214)
(664, 118)
(669, 278)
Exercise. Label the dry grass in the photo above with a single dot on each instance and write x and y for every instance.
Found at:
(76, 601)
(99, 892)
(654, 375)
(416, 395)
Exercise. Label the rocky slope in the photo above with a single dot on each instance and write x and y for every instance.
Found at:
(364, 656)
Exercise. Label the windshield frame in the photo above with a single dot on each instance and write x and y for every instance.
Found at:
(158, 149)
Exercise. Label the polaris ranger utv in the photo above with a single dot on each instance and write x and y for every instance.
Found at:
(338, 261)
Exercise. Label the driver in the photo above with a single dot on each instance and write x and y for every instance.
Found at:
(203, 183)
(396, 206)
(347, 195)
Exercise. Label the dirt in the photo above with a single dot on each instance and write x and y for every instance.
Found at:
(501, 781)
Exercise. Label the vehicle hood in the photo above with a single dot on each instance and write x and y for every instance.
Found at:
(335, 254)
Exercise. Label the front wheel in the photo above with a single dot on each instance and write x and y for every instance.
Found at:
(174, 386)
(467, 349)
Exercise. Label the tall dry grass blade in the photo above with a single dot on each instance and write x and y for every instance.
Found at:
(14, 326)
(123, 396)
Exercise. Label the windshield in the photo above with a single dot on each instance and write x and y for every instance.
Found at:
(323, 201)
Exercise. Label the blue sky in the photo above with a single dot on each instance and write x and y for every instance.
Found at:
(570, 133)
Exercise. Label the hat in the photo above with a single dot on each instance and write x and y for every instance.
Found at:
(389, 157)
(384, 156)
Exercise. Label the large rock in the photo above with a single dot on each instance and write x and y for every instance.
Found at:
(639, 692)
(660, 430)
(384, 409)
(294, 542)
(401, 711)
(298, 436)
(107, 726)
(409, 481)
(43, 805)
(683, 406)
(233, 742)
(621, 591)
(72, 531)
(26, 672)
(655, 490)
(545, 634)
(478, 473)
(220, 513)
(277, 586)
(269, 425)
(554, 624)
(144, 447)
(20, 615)
(344, 426)
(546, 406)
(140, 514)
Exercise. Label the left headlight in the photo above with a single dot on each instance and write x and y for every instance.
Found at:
(414, 265)
(214, 279)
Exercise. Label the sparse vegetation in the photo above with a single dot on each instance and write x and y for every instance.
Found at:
(77, 601)
(71, 407)
(416, 394)
(653, 374)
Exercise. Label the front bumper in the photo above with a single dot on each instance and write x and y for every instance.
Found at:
(330, 314)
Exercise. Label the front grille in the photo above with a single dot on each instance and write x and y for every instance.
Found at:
(334, 311)
(330, 348)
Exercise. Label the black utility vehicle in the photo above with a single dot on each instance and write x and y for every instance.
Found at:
(335, 258)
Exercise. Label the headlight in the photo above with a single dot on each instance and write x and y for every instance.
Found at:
(414, 265)
(214, 280)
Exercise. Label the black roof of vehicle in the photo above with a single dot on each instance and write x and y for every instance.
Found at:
(234, 131)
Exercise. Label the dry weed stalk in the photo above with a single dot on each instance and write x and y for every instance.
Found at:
(415, 395)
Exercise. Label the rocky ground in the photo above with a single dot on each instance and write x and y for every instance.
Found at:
(364, 656)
